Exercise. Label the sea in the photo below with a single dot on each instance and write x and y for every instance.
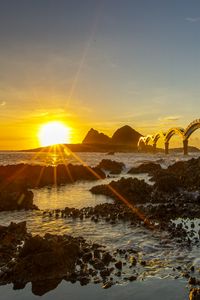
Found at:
(158, 281)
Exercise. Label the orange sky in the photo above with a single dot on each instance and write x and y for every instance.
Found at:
(97, 65)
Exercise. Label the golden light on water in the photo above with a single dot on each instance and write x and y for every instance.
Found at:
(53, 133)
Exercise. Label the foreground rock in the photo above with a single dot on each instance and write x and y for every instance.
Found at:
(10, 239)
(26, 258)
(15, 197)
(194, 294)
(46, 261)
(33, 176)
(110, 165)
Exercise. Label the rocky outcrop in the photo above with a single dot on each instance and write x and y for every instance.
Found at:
(194, 294)
(48, 257)
(32, 176)
(185, 173)
(126, 135)
(46, 261)
(95, 137)
(114, 167)
(148, 167)
(15, 197)
(131, 189)
(11, 238)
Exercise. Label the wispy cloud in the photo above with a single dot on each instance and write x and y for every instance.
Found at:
(170, 118)
(3, 103)
(192, 20)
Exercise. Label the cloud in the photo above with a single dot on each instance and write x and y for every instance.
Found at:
(170, 118)
(192, 20)
(3, 103)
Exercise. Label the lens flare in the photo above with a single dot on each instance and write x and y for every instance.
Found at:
(54, 133)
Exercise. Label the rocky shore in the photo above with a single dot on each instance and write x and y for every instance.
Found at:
(36, 176)
(46, 261)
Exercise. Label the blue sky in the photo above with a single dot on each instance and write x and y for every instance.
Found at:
(99, 64)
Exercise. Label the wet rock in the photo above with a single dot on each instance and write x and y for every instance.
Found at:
(40, 288)
(97, 254)
(131, 189)
(118, 274)
(194, 294)
(192, 281)
(107, 258)
(27, 175)
(11, 237)
(98, 264)
(84, 280)
(118, 265)
(87, 257)
(167, 183)
(110, 165)
(148, 167)
(133, 261)
(14, 197)
(96, 280)
(132, 278)
(111, 153)
(107, 285)
(105, 273)
(143, 263)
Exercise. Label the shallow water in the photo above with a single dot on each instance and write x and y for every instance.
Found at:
(90, 158)
(155, 289)
(162, 256)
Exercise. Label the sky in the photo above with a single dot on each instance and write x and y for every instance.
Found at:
(97, 63)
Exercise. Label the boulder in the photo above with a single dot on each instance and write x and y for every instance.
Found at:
(110, 165)
(194, 294)
(149, 167)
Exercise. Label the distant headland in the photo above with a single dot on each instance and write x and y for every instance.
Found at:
(124, 139)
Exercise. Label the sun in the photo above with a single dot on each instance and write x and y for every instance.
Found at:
(53, 133)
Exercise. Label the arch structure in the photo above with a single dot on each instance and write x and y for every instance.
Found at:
(166, 136)
(193, 126)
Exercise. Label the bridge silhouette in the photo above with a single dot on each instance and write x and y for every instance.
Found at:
(166, 136)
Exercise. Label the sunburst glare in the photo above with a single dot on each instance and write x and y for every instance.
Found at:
(53, 133)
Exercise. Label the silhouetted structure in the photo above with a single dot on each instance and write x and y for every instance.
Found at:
(166, 136)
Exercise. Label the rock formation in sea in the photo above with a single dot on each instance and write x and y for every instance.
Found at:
(95, 137)
(125, 135)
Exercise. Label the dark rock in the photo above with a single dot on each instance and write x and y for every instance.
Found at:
(105, 273)
(98, 264)
(131, 189)
(40, 288)
(94, 137)
(26, 176)
(118, 265)
(168, 183)
(107, 285)
(126, 135)
(87, 257)
(132, 278)
(149, 167)
(107, 258)
(15, 197)
(84, 280)
(97, 254)
(194, 294)
(110, 165)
